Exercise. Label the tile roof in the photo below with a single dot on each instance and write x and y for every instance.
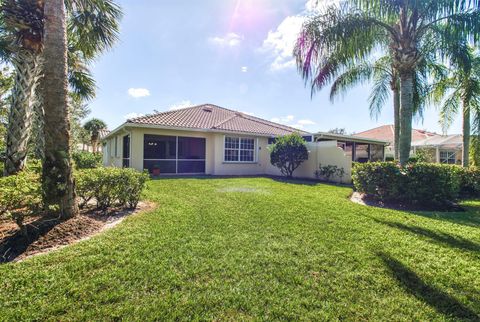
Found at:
(386, 133)
(213, 117)
(454, 141)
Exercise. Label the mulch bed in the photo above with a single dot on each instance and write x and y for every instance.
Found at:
(367, 200)
(47, 233)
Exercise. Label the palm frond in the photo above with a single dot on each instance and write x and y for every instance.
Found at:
(380, 93)
(449, 109)
(353, 76)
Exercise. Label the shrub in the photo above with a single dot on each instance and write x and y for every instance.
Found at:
(20, 197)
(418, 184)
(110, 186)
(87, 160)
(470, 182)
(288, 152)
(328, 172)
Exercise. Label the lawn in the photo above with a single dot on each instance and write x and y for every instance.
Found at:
(257, 248)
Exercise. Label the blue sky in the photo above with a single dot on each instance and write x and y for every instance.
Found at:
(233, 53)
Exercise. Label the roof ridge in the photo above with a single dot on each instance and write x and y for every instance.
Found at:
(170, 111)
(277, 125)
(224, 121)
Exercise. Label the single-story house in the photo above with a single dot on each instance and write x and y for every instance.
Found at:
(439, 148)
(209, 139)
(358, 148)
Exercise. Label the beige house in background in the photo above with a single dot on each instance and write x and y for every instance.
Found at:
(439, 148)
(212, 140)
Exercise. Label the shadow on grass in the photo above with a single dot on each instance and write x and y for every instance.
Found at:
(471, 217)
(434, 297)
(441, 238)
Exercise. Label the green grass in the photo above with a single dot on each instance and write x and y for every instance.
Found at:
(256, 248)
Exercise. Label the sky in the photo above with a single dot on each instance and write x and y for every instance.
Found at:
(233, 53)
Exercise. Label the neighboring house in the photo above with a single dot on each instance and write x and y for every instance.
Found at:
(439, 148)
(358, 148)
(208, 139)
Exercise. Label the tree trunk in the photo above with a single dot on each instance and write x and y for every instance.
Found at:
(27, 70)
(38, 119)
(406, 115)
(396, 121)
(466, 135)
(57, 178)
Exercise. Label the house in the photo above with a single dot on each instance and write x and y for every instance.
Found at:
(438, 148)
(209, 139)
(359, 149)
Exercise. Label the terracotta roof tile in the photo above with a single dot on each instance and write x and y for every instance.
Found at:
(386, 133)
(213, 117)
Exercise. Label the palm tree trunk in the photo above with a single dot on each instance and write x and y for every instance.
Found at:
(57, 178)
(406, 115)
(38, 115)
(466, 135)
(27, 70)
(396, 121)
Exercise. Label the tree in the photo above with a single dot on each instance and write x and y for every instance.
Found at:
(6, 83)
(288, 153)
(386, 82)
(460, 91)
(92, 28)
(57, 177)
(399, 28)
(338, 130)
(94, 126)
(475, 151)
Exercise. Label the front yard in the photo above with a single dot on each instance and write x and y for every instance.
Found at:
(257, 248)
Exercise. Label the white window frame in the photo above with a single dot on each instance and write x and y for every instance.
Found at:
(255, 144)
(450, 154)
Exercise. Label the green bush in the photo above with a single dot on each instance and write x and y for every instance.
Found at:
(110, 186)
(470, 182)
(418, 184)
(20, 196)
(288, 153)
(87, 160)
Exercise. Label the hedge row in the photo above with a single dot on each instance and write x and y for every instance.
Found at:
(417, 183)
(110, 186)
(87, 160)
(21, 195)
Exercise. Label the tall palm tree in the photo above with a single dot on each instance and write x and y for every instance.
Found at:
(460, 91)
(57, 176)
(386, 84)
(94, 126)
(23, 22)
(399, 28)
(92, 28)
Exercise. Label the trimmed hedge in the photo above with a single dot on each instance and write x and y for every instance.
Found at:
(20, 196)
(470, 182)
(87, 160)
(110, 186)
(417, 184)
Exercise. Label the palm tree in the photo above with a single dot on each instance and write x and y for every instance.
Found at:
(57, 176)
(460, 91)
(92, 28)
(23, 20)
(400, 28)
(386, 82)
(94, 126)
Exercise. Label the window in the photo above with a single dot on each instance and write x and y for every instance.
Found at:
(116, 147)
(174, 154)
(449, 157)
(126, 151)
(239, 149)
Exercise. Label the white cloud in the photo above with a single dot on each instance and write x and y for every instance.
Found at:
(290, 121)
(132, 115)
(280, 42)
(306, 122)
(231, 40)
(180, 105)
(244, 69)
(138, 92)
(248, 113)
